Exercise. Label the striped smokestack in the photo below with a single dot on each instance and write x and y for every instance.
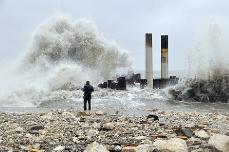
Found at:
(149, 66)
(164, 57)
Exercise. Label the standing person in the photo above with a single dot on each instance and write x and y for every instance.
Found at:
(88, 89)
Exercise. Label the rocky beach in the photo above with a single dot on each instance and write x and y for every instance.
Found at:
(70, 130)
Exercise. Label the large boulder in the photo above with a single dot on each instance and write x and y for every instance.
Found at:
(95, 147)
(220, 142)
(173, 145)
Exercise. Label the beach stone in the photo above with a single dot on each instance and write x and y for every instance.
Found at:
(194, 141)
(107, 127)
(99, 113)
(26, 148)
(139, 148)
(59, 148)
(161, 121)
(97, 120)
(187, 132)
(37, 127)
(75, 140)
(129, 149)
(35, 150)
(95, 147)
(220, 142)
(140, 137)
(19, 129)
(198, 150)
(84, 113)
(36, 146)
(114, 148)
(145, 148)
(174, 145)
(155, 117)
(92, 133)
(211, 148)
(201, 134)
(47, 116)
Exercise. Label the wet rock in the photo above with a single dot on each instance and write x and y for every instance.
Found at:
(37, 127)
(95, 147)
(220, 142)
(201, 134)
(174, 145)
(82, 119)
(184, 131)
(153, 116)
(162, 121)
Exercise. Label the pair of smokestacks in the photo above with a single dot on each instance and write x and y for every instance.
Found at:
(149, 60)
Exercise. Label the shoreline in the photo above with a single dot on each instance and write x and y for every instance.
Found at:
(72, 130)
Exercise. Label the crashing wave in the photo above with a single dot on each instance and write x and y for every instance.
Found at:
(63, 55)
(61, 39)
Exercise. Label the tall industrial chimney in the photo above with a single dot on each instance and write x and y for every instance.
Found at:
(149, 66)
(164, 57)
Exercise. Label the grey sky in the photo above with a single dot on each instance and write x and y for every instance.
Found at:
(125, 21)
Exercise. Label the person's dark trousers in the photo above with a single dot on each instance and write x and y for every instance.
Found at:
(87, 100)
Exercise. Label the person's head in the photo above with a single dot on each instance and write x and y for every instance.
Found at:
(87, 82)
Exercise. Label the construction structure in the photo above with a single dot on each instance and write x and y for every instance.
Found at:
(164, 57)
(149, 60)
(165, 79)
(149, 81)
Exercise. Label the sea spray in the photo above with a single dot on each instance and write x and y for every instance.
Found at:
(61, 39)
(209, 57)
(63, 55)
(208, 79)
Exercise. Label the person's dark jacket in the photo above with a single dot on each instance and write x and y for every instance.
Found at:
(88, 89)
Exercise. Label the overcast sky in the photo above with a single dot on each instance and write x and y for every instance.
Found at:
(124, 21)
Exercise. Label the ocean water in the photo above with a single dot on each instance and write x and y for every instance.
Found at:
(134, 101)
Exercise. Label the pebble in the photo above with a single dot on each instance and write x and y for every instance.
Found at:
(96, 147)
(201, 134)
(174, 144)
(69, 130)
(59, 148)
